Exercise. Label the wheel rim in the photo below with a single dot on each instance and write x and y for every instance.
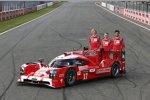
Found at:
(71, 77)
(115, 70)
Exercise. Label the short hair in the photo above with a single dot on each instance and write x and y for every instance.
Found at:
(93, 29)
(106, 33)
(117, 31)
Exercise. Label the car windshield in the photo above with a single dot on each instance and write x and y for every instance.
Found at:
(62, 63)
(68, 62)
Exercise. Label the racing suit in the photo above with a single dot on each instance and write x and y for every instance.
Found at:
(106, 45)
(94, 42)
(117, 47)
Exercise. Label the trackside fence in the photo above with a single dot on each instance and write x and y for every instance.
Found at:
(6, 15)
(141, 16)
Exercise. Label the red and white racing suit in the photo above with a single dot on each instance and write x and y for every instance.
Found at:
(117, 47)
(106, 45)
(94, 42)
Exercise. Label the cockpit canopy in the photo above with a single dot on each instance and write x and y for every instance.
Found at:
(59, 63)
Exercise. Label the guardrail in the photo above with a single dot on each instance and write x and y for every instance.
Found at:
(103, 4)
(139, 16)
(142, 17)
(6, 15)
(50, 4)
(39, 7)
(110, 7)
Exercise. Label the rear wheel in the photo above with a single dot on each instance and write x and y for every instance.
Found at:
(115, 70)
(70, 77)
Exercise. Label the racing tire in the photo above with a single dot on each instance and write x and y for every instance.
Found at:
(70, 77)
(115, 70)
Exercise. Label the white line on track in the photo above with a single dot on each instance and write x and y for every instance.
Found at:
(29, 21)
(123, 17)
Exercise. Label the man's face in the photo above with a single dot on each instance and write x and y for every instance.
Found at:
(105, 35)
(94, 33)
(117, 34)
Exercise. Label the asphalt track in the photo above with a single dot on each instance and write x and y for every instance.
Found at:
(66, 29)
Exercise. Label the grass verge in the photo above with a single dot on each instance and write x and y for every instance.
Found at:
(8, 24)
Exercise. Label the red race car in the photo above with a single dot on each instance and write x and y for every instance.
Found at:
(70, 67)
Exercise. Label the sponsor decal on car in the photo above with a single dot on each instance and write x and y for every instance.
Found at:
(92, 70)
(61, 80)
(102, 63)
(85, 71)
(79, 73)
(85, 76)
(92, 53)
(61, 75)
(34, 79)
(82, 68)
(103, 70)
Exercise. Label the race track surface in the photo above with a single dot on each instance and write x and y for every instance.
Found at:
(62, 30)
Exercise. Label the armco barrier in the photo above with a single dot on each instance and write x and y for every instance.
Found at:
(138, 16)
(142, 17)
(39, 7)
(103, 4)
(50, 4)
(147, 19)
(110, 7)
(117, 9)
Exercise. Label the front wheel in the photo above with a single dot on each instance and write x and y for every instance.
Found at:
(115, 70)
(70, 77)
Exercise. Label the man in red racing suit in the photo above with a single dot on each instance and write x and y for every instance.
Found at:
(117, 45)
(94, 40)
(106, 45)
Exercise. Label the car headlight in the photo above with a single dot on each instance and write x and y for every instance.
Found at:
(53, 73)
(22, 71)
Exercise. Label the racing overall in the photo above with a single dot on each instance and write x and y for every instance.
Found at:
(117, 47)
(106, 45)
(94, 42)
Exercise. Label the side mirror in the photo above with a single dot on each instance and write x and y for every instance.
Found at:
(85, 48)
(41, 60)
(123, 55)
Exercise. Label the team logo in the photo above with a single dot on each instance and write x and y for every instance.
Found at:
(95, 40)
(92, 70)
(117, 42)
(93, 53)
(103, 70)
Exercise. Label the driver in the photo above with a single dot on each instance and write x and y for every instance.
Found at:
(106, 45)
(94, 40)
(117, 45)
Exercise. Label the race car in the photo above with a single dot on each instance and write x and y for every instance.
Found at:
(70, 67)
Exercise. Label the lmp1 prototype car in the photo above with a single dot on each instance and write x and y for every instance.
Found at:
(70, 67)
